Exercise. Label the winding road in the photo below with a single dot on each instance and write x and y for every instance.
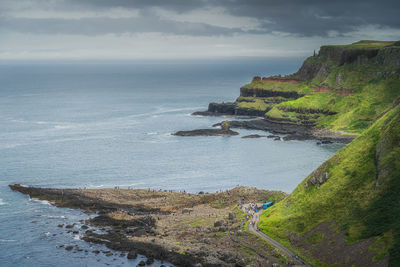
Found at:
(254, 229)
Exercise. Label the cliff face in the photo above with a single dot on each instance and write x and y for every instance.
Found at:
(359, 53)
(255, 92)
(345, 213)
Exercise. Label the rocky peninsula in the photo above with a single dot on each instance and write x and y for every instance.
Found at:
(202, 229)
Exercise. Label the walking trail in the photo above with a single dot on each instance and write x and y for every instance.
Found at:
(253, 227)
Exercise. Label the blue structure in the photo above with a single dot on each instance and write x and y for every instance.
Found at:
(267, 205)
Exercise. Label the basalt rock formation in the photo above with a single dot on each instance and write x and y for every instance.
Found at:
(224, 131)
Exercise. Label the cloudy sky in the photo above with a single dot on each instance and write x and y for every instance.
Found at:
(187, 29)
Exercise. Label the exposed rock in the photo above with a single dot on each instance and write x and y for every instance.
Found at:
(186, 211)
(218, 109)
(254, 136)
(207, 132)
(218, 223)
(255, 92)
(142, 263)
(321, 174)
(150, 261)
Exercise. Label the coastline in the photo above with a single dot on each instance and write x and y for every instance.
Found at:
(203, 229)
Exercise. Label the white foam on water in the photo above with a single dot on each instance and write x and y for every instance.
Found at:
(77, 237)
(53, 217)
(7, 240)
(44, 202)
(2, 202)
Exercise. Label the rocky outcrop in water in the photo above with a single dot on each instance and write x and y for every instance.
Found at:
(224, 131)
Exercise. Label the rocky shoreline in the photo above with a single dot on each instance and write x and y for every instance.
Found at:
(185, 229)
(293, 132)
(290, 131)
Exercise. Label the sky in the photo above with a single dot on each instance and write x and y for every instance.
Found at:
(188, 29)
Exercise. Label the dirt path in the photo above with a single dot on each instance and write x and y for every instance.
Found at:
(254, 229)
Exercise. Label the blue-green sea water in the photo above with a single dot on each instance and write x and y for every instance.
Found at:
(100, 125)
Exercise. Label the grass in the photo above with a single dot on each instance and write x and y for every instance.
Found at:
(350, 196)
(257, 104)
(279, 86)
(366, 44)
(371, 94)
(360, 93)
(201, 223)
(315, 238)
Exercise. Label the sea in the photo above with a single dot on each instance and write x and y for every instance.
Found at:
(105, 124)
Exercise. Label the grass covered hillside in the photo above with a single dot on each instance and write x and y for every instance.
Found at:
(343, 88)
(346, 212)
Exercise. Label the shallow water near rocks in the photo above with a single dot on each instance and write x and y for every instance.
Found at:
(102, 125)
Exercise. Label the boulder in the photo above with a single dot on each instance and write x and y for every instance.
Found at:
(219, 223)
(132, 254)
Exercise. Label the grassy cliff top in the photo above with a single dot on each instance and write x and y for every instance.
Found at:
(279, 86)
(368, 44)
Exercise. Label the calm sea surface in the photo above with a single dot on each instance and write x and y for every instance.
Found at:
(101, 125)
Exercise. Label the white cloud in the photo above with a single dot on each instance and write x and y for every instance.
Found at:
(374, 32)
(215, 16)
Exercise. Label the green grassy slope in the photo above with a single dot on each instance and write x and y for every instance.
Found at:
(358, 81)
(358, 189)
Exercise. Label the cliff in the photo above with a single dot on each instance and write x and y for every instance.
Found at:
(343, 88)
(380, 54)
(345, 213)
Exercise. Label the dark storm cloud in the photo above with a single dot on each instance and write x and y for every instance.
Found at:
(317, 17)
(302, 17)
(298, 17)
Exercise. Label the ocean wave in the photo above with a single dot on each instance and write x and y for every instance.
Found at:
(8, 240)
(2, 202)
(44, 202)
(151, 133)
(95, 186)
(64, 126)
(53, 217)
